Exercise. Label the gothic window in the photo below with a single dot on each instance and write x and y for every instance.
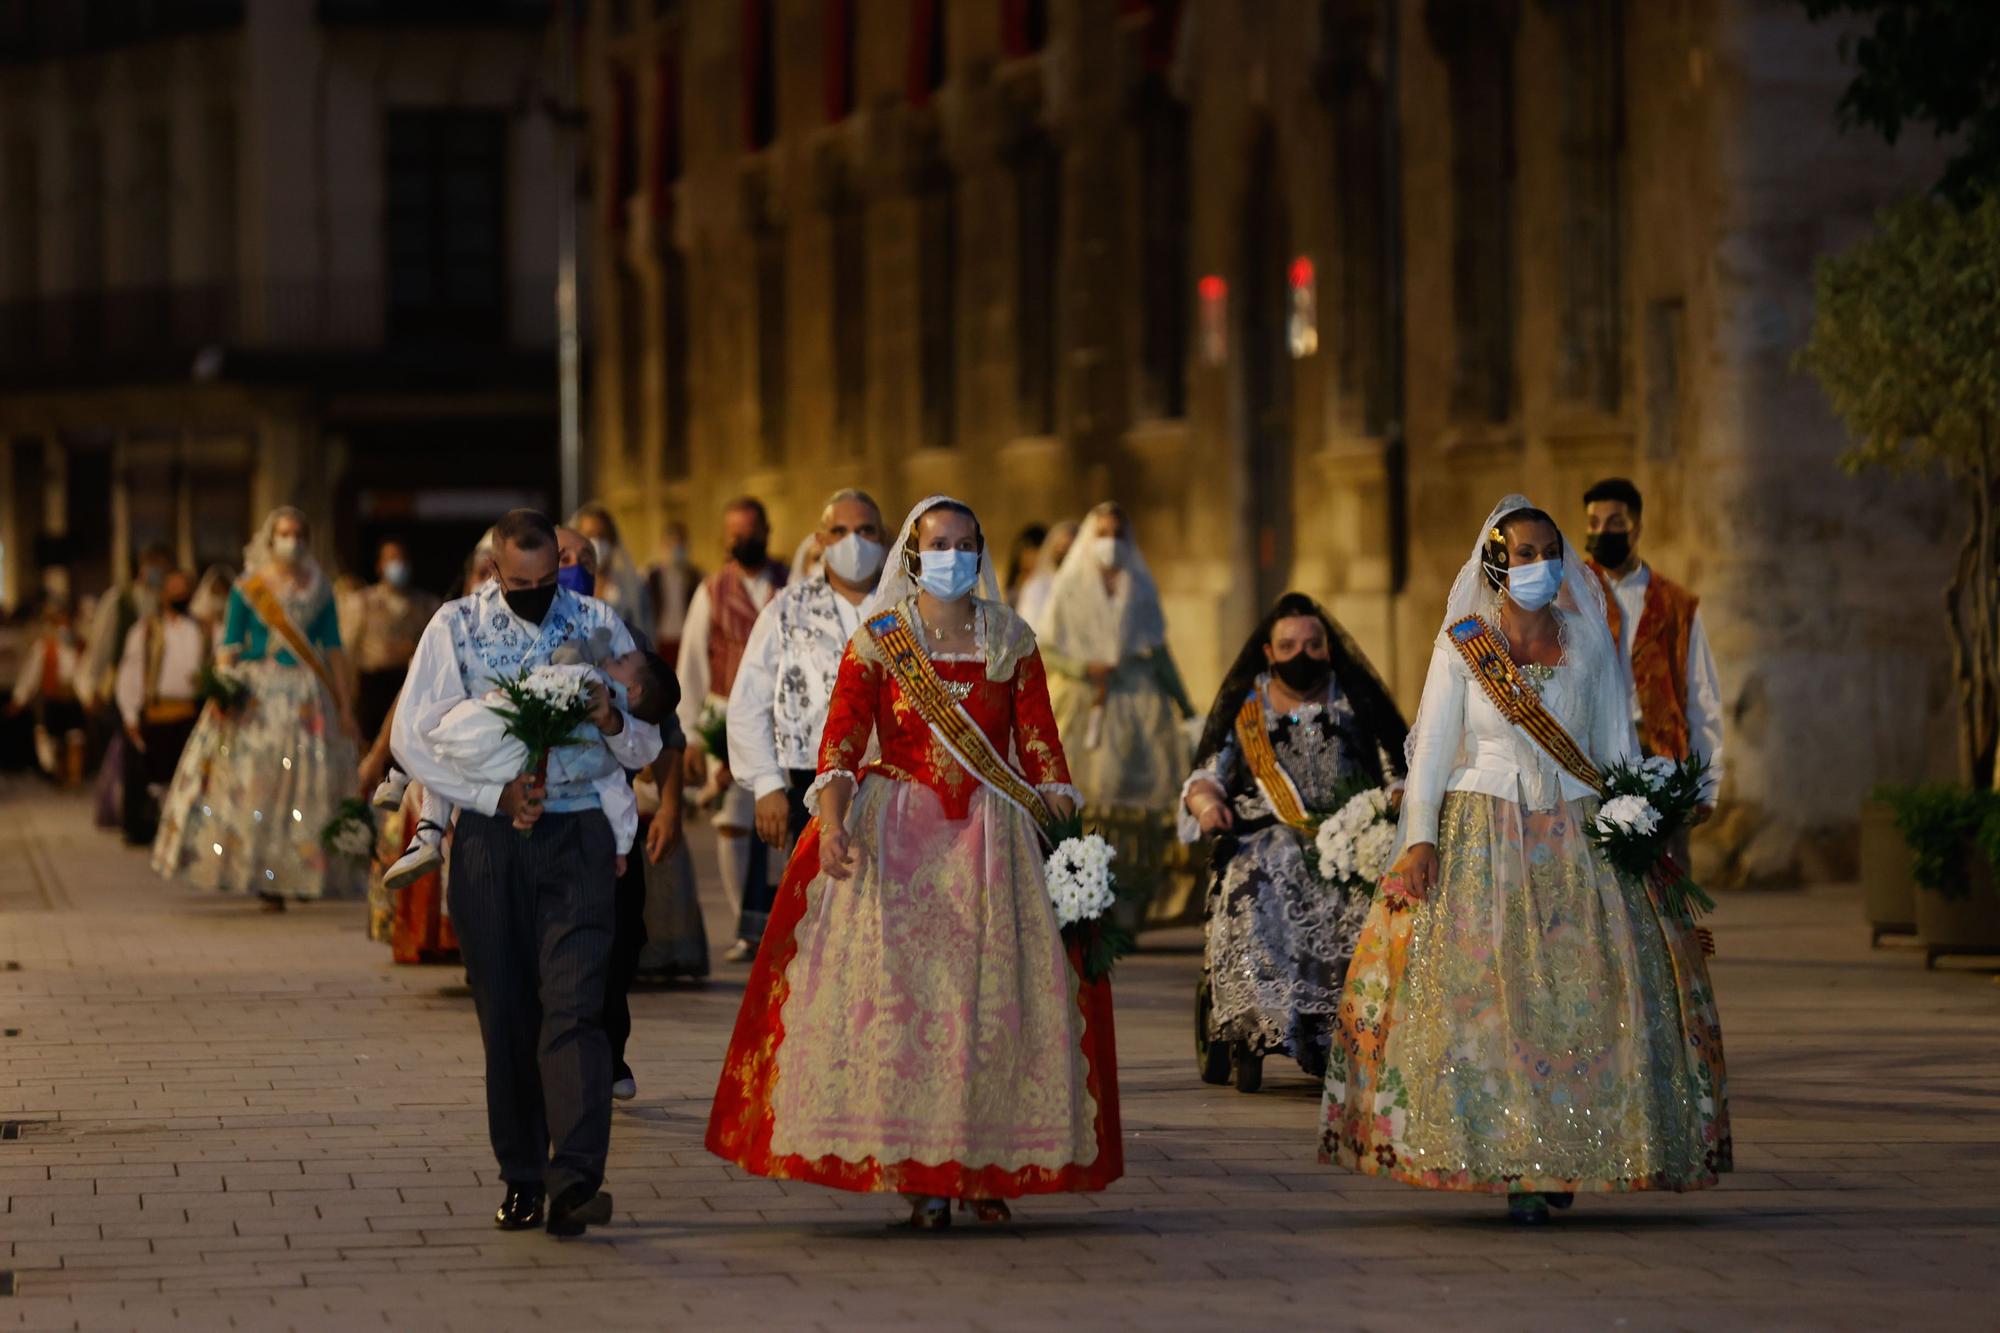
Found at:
(769, 246)
(624, 163)
(929, 56)
(674, 362)
(1037, 169)
(1358, 103)
(837, 76)
(1476, 40)
(632, 353)
(666, 129)
(849, 226)
(1591, 354)
(1024, 27)
(1165, 202)
(937, 307)
(760, 74)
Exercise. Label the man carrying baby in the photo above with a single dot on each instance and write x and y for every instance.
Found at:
(532, 875)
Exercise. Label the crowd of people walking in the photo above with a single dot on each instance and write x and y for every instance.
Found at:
(883, 737)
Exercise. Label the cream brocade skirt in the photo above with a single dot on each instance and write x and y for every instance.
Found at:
(1534, 1025)
(253, 791)
(932, 1013)
(1141, 756)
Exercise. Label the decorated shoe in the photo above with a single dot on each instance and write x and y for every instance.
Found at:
(389, 791)
(424, 857)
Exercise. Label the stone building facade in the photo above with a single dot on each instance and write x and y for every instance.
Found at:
(277, 251)
(1307, 285)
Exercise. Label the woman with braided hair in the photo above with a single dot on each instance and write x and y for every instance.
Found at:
(1301, 721)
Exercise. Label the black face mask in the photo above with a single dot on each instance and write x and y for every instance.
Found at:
(1302, 674)
(750, 552)
(1609, 549)
(531, 604)
(179, 605)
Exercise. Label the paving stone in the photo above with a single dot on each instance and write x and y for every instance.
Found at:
(257, 1121)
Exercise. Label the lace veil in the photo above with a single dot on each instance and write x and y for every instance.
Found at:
(1085, 622)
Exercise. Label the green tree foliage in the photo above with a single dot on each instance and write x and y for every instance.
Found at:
(1926, 62)
(1906, 343)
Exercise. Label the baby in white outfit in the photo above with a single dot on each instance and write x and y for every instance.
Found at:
(474, 739)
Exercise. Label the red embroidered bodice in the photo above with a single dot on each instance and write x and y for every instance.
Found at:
(1014, 714)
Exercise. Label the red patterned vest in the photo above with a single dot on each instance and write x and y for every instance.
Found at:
(1659, 661)
(731, 615)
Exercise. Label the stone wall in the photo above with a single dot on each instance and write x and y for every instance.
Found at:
(1596, 219)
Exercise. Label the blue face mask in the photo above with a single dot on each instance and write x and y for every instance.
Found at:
(577, 579)
(1534, 586)
(621, 698)
(948, 575)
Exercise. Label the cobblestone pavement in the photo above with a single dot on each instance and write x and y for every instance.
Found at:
(233, 1120)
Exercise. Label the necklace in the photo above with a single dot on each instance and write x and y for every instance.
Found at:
(938, 633)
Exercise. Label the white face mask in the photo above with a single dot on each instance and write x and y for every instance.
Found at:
(603, 550)
(1110, 552)
(285, 548)
(948, 575)
(855, 558)
(1534, 586)
(396, 574)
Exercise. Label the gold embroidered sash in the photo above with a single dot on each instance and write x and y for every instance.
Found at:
(1270, 775)
(1517, 701)
(272, 612)
(948, 721)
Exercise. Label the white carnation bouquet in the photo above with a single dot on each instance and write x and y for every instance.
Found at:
(1355, 845)
(1083, 892)
(1645, 807)
(350, 834)
(542, 708)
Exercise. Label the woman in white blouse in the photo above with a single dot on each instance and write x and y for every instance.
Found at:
(1519, 1018)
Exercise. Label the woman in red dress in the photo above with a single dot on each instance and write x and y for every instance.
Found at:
(914, 1022)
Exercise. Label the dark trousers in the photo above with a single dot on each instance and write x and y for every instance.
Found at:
(798, 781)
(535, 920)
(627, 941)
(374, 696)
(138, 807)
(758, 893)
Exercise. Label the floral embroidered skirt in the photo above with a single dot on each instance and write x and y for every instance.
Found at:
(1278, 944)
(254, 790)
(921, 1028)
(1535, 1025)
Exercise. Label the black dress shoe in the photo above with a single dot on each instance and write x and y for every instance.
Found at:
(580, 1206)
(521, 1210)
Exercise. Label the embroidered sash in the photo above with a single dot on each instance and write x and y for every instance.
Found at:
(1516, 699)
(948, 721)
(272, 612)
(1270, 775)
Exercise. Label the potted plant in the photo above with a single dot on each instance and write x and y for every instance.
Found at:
(1953, 834)
(1906, 343)
(1888, 880)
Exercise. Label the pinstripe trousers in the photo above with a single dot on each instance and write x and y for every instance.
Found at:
(534, 917)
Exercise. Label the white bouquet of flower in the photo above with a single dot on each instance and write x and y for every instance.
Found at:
(1355, 844)
(1083, 892)
(1079, 878)
(351, 831)
(1646, 805)
(542, 708)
